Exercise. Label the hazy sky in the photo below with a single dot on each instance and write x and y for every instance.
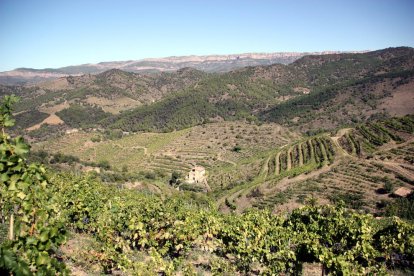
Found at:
(57, 33)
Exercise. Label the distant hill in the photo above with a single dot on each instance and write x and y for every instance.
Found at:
(210, 63)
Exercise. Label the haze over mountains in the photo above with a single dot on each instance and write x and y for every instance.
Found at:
(208, 63)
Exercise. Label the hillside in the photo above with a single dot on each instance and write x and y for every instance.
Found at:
(114, 89)
(388, 94)
(361, 167)
(274, 168)
(277, 92)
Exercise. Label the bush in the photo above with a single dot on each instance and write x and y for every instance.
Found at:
(236, 149)
(104, 164)
(388, 185)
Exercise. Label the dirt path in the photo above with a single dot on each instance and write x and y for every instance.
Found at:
(286, 182)
(53, 119)
(335, 140)
(283, 184)
(396, 167)
(342, 132)
(393, 145)
(133, 147)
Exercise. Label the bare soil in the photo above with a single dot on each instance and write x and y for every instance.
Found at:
(402, 101)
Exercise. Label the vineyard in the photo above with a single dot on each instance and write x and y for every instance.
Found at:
(314, 152)
(57, 222)
(136, 233)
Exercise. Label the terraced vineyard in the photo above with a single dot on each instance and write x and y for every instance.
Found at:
(168, 164)
(132, 151)
(209, 145)
(402, 154)
(368, 137)
(355, 169)
(302, 156)
(279, 166)
(358, 183)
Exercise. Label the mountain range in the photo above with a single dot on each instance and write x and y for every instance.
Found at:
(208, 63)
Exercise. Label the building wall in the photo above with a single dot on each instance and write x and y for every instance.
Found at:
(196, 176)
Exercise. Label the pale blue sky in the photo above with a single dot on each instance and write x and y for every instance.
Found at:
(56, 33)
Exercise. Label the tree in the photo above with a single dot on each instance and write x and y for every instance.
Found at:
(175, 178)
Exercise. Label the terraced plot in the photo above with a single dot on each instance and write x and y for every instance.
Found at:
(317, 151)
(359, 184)
(168, 164)
(134, 151)
(287, 162)
(353, 167)
(209, 145)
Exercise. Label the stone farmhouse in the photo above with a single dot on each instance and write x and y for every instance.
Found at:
(196, 175)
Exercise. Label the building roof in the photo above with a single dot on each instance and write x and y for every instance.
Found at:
(402, 192)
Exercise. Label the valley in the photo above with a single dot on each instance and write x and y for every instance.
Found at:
(188, 168)
(189, 138)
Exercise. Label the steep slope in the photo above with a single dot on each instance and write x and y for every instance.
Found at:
(346, 104)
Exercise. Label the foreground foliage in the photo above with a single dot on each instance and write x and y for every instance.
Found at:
(28, 208)
(346, 242)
